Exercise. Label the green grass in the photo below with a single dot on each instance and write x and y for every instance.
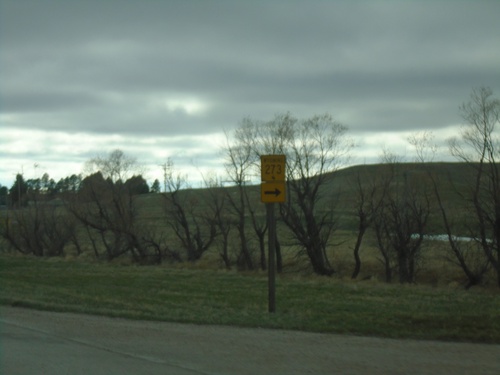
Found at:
(221, 297)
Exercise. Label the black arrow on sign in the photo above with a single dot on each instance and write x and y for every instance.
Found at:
(276, 192)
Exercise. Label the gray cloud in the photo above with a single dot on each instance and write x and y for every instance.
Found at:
(168, 68)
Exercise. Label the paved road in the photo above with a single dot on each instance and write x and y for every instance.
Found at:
(44, 343)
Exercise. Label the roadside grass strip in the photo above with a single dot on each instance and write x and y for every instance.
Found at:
(316, 304)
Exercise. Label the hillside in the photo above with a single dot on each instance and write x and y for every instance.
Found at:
(342, 187)
(452, 180)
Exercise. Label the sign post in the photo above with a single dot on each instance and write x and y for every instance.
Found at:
(273, 190)
(271, 225)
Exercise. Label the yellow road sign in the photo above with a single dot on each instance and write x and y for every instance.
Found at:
(273, 192)
(272, 167)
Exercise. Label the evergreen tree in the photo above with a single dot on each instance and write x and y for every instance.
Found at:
(18, 191)
(155, 188)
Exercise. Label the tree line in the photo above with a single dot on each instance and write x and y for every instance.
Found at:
(106, 213)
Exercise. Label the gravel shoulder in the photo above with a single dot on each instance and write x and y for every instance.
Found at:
(39, 342)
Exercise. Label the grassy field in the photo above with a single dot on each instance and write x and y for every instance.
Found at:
(206, 294)
(223, 297)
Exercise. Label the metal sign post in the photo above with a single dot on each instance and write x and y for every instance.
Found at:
(272, 257)
(273, 190)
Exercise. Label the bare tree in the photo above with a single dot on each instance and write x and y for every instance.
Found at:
(251, 140)
(424, 145)
(370, 193)
(107, 207)
(465, 254)
(400, 228)
(240, 159)
(401, 220)
(478, 146)
(106, 213)
(42, 229)
(217, 203)
(115, 166)
(272, 138)
(313, 148)
(317, 146)
(195, 229)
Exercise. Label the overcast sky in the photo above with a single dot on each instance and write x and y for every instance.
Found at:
(161, 79)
